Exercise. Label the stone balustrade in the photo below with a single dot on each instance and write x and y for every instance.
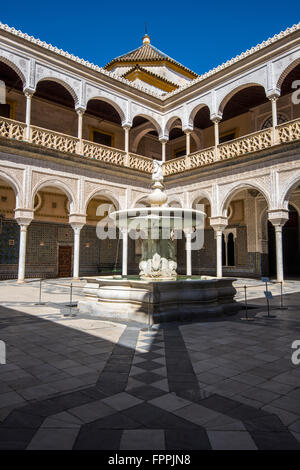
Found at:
(53, 140)
(12, 129)
(141, 163)
(287, 132)
(103, 153)
(246, 144)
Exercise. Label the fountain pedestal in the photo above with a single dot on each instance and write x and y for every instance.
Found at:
(182, 299)
(158, 292)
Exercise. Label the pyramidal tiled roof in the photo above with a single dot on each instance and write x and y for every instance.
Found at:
(147, 53)
(156, 75)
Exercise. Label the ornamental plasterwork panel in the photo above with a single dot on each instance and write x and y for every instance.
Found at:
(262, 184)
(15, 176)
(156, 119)
(137, 196)
(283, 65)
(257, 77)
(93, 92)
(200, 194)
(18, 63)
(170, 118)
(193, 107)
(72, 84)
(92, 189)
(287, 180)
(175, 200)
(67, 185)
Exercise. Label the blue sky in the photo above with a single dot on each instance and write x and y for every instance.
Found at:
(199, 35)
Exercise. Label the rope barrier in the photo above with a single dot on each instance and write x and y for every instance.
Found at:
(72, 286)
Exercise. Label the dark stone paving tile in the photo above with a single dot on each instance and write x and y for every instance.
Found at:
(90, 438)
(218, 403)
(118, 420)
(22, 419)
(149, 365)
(146, 392)
(116, 368)
(186, 439)
(110, 388)
(275, 440)
(148, 377)
(60, 403)
(177, 387)
(269, 423)
(148, 355)
(15, 438)
(94, 393)
(155, 418)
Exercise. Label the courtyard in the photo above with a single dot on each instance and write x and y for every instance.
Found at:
(77, 382)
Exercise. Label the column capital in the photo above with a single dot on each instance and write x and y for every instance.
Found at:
(24, 216)
(216, 117)
(188, 130)
(273, 94)
(218, 223)
(278, 217)
(126, 125)
(76, 226)
(76, 220)
(28, 92)
(80, 110)
(163, 139)
(188, 231)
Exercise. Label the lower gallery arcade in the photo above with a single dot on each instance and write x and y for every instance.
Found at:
(56, 247)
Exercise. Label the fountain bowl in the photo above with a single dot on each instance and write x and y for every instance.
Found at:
(182, 299)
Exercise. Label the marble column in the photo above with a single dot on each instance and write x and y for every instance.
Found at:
(216, 120)
(218, 224)
(188, 236)
(124, 251)
(278, 219)
(77, 229)
(80, 113)
(23, 223)
(28, 95)
(188, 142)
(163, 149)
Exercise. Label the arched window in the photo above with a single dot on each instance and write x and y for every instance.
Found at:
(269, 121)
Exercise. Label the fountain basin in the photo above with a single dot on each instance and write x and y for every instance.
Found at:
(183, 299)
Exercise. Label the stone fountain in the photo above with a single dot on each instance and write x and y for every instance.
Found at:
(158, 291)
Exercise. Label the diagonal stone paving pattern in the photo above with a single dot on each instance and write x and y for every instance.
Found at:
(89, 384)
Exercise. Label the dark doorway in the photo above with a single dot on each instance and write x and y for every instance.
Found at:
(65, 261)
(230, 250)
(290, 246)
(223, 250)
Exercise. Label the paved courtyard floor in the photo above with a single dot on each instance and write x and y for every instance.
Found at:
(74, 382)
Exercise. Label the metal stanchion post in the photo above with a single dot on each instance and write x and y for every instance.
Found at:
(150, 328)
(268, 296)
(282, 307)
(149, 322)
(246, 307)
(71, 301)
(40, 295)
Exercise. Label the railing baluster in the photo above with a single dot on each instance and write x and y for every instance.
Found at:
(286, 132)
